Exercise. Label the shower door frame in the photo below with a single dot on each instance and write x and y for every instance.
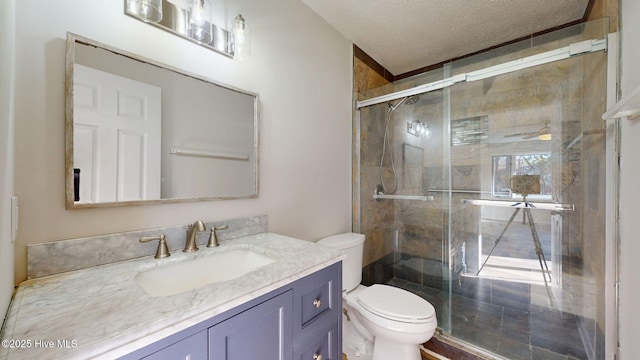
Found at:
(575, 49)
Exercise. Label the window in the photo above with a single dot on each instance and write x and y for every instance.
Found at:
(504, 166)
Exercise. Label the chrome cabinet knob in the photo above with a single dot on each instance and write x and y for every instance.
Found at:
(317, 303)
(317, 356)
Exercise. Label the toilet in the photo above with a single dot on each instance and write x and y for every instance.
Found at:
(395, 320)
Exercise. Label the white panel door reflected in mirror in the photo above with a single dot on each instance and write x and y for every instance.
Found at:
(116, 135)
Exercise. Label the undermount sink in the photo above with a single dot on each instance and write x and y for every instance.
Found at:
(192, 274)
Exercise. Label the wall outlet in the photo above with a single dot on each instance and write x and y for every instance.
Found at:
(14, 218)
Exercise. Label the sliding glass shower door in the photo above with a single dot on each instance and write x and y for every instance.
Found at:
(487, 198)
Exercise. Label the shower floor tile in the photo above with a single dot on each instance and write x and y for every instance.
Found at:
(500, 317)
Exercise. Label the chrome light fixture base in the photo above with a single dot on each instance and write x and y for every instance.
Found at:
(176, 20)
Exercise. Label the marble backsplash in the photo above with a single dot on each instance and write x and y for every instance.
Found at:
(73, 254)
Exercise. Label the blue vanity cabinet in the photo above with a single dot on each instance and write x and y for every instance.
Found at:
(301, 320)
(192, 348)
(262, 332)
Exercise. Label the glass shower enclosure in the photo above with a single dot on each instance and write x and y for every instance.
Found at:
(481, 188)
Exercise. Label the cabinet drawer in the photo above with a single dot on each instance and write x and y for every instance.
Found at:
(323, 345)
(315, 303)
(316, 296)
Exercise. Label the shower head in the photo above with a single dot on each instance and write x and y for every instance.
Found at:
(409, 100)
(412, 100)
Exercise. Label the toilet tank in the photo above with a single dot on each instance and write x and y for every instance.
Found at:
(352, 245)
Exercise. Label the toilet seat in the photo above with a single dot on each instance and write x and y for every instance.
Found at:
(395, 304)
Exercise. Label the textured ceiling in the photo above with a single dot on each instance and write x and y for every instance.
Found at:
(406, 35)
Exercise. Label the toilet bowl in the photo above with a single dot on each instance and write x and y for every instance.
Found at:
(398, 321)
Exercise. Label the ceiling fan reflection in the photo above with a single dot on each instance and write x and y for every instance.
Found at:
(544, 133)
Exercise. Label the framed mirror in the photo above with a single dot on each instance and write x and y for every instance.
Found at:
(139, 132)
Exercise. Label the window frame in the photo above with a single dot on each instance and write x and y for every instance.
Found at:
(511, 161)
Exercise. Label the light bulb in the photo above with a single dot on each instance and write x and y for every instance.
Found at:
(199, 27)
(545, 137)
(197, 15)
(239, 25)
(425, 129)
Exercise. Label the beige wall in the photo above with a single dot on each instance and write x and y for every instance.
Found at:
(299, 65)
(7, 48)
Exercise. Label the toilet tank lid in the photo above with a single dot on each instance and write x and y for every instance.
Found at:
(343, 241)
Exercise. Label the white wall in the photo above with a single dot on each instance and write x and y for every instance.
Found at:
(299, 65)
(7, 36)
(629, 192)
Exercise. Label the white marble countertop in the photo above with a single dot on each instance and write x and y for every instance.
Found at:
(102, 312)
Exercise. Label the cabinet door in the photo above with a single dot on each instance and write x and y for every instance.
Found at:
(262, 332)
(192, 348)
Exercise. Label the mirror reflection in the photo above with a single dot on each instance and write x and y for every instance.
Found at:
(139, 131)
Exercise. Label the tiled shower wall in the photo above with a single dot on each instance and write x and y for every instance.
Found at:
(376, 219)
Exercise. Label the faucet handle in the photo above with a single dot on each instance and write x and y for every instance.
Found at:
(163, 249)
(213, 237)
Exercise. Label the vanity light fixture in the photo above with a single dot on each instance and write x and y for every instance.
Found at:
(199, 21)
(417, 128)
(147, 10)
(193, 20)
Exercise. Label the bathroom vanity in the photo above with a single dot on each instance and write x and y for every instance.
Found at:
(301, 319)
(288, 309)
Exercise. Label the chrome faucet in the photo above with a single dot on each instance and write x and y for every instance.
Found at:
(192, 230)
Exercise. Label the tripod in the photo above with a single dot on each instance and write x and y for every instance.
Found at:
(534, 235)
